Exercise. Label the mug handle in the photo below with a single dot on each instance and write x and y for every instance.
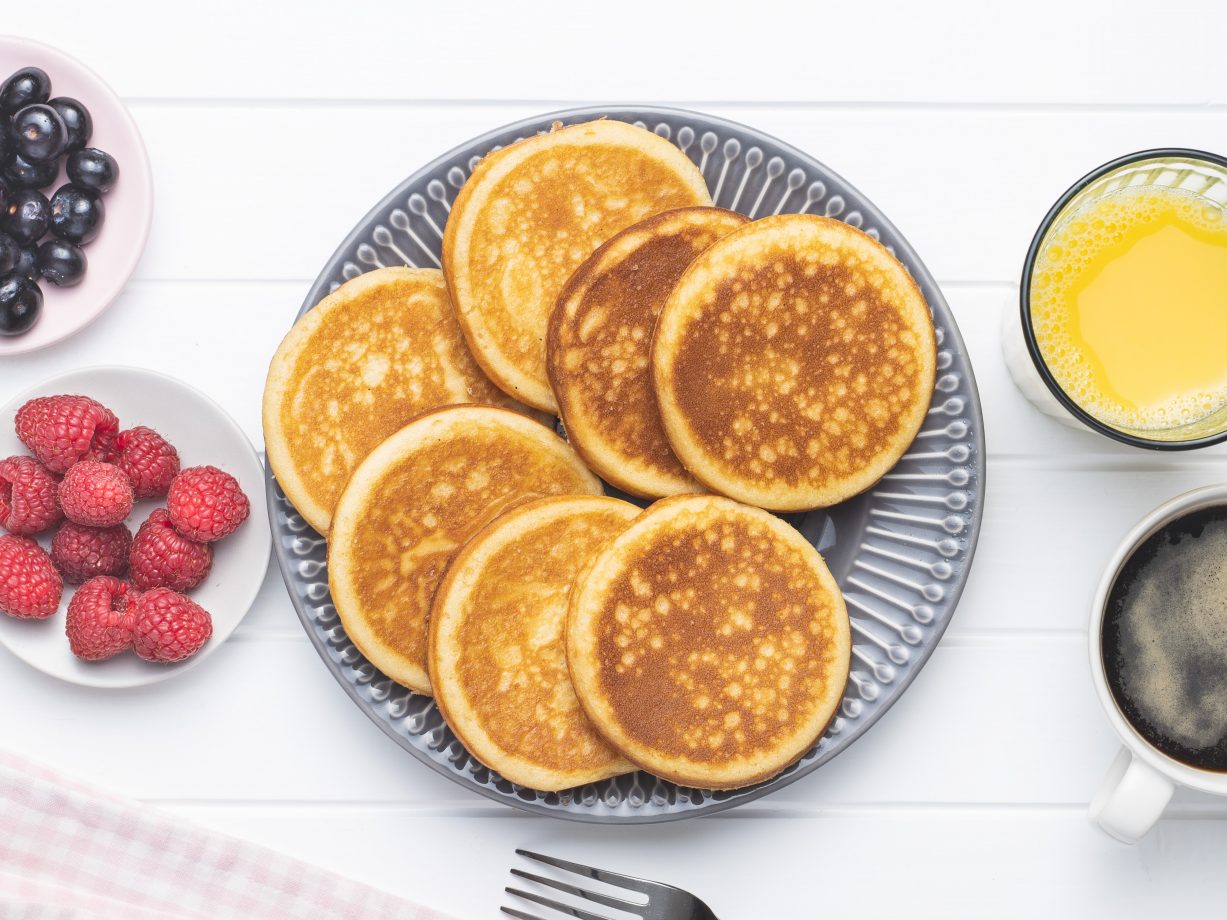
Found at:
(1130, 798)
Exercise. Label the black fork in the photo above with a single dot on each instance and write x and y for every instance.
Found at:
(664, 902)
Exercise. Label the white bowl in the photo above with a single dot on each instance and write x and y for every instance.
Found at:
(112, 257)
(204, 434)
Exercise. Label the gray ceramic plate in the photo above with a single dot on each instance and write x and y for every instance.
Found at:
(901, 553)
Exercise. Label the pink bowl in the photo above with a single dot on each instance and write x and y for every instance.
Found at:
(112, 257)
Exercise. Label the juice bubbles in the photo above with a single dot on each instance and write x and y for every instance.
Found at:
(1129, 307)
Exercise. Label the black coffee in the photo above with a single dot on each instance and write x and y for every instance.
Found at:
(1164, 639)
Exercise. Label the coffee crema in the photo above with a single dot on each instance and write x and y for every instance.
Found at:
(1164, 639)
(1128, 303)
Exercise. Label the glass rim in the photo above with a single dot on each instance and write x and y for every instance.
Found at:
(1024, 298)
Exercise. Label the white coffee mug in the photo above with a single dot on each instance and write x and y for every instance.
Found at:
(1141, 780)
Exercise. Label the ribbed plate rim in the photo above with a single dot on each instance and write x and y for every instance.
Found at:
(745, 133)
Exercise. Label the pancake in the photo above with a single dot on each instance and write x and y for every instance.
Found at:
(708, 642)
(530, 214)
(370, 356)
(600, 339)
(793, 363)
(411, 504)
(498, 661)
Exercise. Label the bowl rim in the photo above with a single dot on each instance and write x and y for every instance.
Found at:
(165, 672)
(142, 168)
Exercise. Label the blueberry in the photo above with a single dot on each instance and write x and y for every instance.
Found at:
(76, 119)
(91, 168)
(10, 252)
(61, 263)
(27, 263)
(21, 302)
(27, 217)
(76, 214)
(38, 133)
(28, 86)
(5, 194)
(19, 174)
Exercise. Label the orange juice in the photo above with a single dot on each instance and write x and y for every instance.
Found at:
(1129, 307)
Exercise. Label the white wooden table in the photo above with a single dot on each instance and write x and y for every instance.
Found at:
(274, 126)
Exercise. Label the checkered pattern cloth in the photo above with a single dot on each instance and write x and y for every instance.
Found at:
(72, 852)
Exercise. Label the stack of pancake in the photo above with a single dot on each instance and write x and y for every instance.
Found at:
(719, 365)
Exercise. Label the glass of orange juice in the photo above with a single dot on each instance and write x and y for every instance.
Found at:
(1124, 303)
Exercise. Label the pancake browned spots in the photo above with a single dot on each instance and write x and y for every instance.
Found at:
(381, 349)
(600, 341)
(429, 504)
(708, 642)
(793, 363)
(544, 220)
(513, 654)
(498, 660)
(530, 214)
(716, 640)
(801, 369)
(414, 501)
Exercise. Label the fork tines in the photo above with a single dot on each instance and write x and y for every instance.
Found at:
(596, 897)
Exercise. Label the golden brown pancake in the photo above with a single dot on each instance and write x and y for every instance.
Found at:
(413, 501)
(498, 661)
(599, 343)
(708, 642)
(793, 363)
(530, 214)
(370, 356)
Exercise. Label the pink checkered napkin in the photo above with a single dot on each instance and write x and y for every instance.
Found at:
(71, 852)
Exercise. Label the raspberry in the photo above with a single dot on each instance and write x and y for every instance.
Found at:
(28, 500)
(60, 430)
(168, 626)
(206, 504)
(99, 621)
(161, 557)
(30, 587)
(148, 460)
(82, 553)
(95, 494)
